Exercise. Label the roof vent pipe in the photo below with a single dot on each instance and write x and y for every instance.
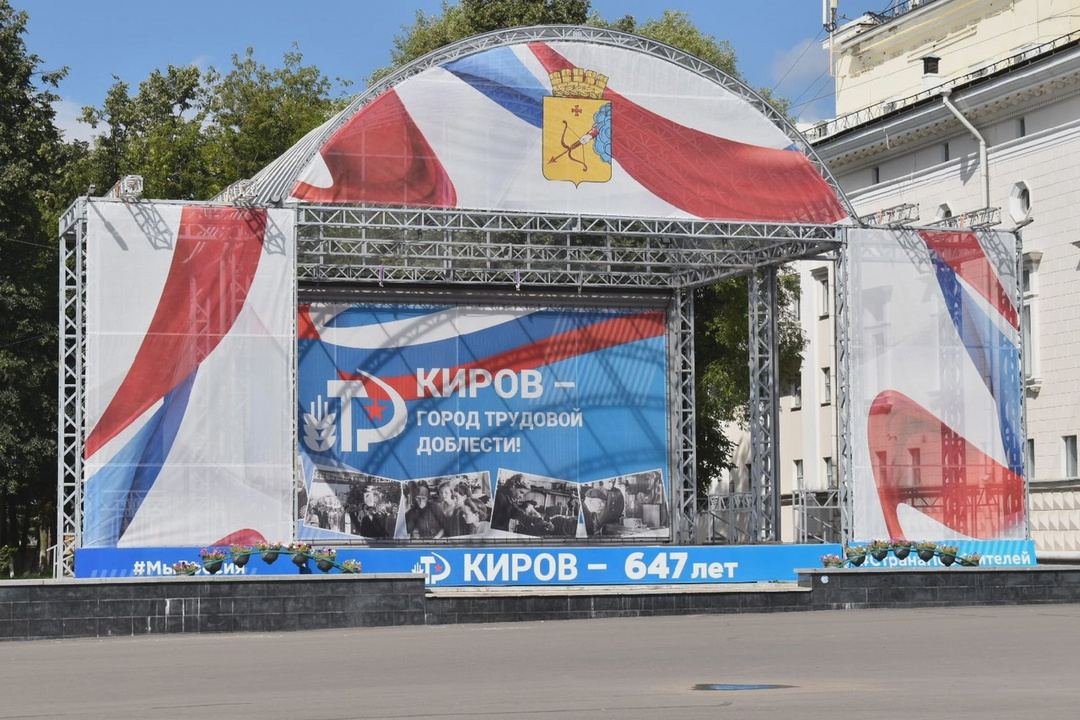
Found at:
(945, 93)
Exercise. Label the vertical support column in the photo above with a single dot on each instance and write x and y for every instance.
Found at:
(684, 442)
(72, 352)
(843, 387)
(764, 405)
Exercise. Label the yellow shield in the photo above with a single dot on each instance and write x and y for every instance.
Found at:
(570, 133)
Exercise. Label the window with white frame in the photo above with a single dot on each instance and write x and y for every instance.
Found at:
(826, 386)
(1029, 458)
(830, 472)
(798, 475)
(1029, 318)
(796, 394)
(1069, 451)
(824, 294)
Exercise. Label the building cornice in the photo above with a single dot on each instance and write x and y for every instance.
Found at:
(982, 100)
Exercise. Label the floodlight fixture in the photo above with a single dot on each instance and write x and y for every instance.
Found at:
(240, 192)
(129, 187)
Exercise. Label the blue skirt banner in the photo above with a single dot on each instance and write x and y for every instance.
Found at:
(503, 566)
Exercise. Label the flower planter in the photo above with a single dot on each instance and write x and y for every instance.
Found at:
(269, 556)
(879, 555)
(324, 565)
(901, 552)
(213, 566)
(926, 555)
(947, 559)
(299, 559)
(856, 560)
(240, 560)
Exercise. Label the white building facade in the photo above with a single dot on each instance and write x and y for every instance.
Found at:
(956, 113)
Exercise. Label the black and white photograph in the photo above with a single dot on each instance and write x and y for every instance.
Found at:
(633, 505)
(450, 506)
(535, 506)
(354, 504)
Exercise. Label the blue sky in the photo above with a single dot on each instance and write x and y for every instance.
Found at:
(777, 42)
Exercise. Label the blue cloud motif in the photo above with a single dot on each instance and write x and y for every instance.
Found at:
(602, 122)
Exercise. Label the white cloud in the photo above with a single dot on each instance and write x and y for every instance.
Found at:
(801, 74)
(67, 121)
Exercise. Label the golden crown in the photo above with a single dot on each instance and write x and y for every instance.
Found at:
(578, 83)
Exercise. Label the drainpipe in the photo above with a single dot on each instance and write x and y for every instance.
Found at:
(945, 92)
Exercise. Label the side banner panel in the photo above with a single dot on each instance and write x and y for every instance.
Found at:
(188, 374)
(936, 385)
(423, 422)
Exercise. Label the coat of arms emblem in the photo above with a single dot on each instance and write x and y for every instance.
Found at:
(577, 127)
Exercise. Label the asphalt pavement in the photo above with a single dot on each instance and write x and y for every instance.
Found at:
(984, 662)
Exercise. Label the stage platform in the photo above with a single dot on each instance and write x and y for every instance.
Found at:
(52, 609)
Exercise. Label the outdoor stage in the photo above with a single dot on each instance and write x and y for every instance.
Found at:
(49, 609)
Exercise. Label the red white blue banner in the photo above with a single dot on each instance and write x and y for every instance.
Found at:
(189, 355)
(569, 127)
(936, 385)
(430, 422)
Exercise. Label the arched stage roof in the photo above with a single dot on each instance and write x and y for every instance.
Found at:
(564, 120)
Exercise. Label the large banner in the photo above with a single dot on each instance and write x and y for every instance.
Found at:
(430, 422)
(569, 127)
(936, 385)
(189, 356)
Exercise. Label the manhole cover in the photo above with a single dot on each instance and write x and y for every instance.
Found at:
(721, 686)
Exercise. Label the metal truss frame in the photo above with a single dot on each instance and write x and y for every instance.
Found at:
(764, 404)
(343, 249)
(684, 426)
(388, 245)
(69, 431)
(843, 392)
(817, 516)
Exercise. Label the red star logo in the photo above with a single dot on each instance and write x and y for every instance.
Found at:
(375, 409)
(438, 568)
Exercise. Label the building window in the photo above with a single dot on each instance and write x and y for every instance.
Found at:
(824, 294)
(915, 458)
(930, 65)
(1020, 203)
(830, 473)
(875, 175)
(1029, 458)
(1021, 128)
(826, 386)
(1029, 318)
(945, 152)
(944, 212)
(798, 475)
(1069, 448)
(796, 394)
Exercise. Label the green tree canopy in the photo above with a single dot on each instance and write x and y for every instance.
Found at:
(191, 134)
(29, 143)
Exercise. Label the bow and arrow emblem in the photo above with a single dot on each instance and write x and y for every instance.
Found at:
(581, 142)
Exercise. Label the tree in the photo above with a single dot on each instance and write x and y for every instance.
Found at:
(721, 330)
(256, 114)
(156, 133)
(28, 311)
(191, 134)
